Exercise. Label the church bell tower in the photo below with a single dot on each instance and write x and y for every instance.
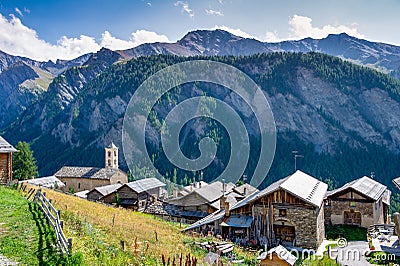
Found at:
(111, 156)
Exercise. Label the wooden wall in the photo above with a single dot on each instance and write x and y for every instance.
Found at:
(5, 167)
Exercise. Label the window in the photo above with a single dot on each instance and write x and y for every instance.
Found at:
(328, 202)
(109, 153)
(109, 162)
(115, 153)
(79, 185)
(352, 203)
(115, 162)
(282, 212)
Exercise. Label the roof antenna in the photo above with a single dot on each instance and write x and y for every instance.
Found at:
(373, 175)
(296, 155)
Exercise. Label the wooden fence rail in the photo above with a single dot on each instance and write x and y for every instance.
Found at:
(53, 217)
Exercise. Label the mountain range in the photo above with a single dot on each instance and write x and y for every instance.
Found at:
(338, 94)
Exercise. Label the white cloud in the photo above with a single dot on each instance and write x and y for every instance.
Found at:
(237, 32)
(271, 37)
(301, 27)
(149, 4)
(185, 8)
(27, 11)
(18, 11)
(18, 39)
(214, 12)
(137, 38)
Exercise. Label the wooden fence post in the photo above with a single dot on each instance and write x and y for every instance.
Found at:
(69, 244)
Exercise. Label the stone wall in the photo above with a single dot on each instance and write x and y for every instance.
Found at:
(308, 223)
(335, 212)
(5, 166)
(80, 184)
(119, 177)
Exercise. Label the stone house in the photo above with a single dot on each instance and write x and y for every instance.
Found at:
(88, 178)
(140, 193)
(362, 202)
(6, 151)
(104, 194)
(289, 211)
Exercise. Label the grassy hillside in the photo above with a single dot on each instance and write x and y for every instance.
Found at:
(25, 236)
(97, 231)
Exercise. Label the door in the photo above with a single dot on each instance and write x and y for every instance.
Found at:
(352, 217)
(284, 232)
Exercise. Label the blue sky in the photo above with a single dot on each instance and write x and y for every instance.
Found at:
(45, 30)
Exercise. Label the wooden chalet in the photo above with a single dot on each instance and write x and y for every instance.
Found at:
(362, 202)
(104, 194)
(205, 200)
(290, 211)
(6, 151)
(138, 194)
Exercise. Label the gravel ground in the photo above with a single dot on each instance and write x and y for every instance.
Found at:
(6, 262)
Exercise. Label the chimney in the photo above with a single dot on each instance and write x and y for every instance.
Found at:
(226, 208)
(175, 192)
(222, 202)
(191, 187)
(199, 184)
(244, 191)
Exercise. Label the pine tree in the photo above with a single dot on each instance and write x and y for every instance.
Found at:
(24, 165)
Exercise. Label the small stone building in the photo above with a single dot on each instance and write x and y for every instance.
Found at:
(139, 194)
(88, 178)
(362, 202)
(290, 211)
(104, 194)
(6, 151)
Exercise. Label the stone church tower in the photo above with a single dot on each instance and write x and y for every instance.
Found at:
(111, 156)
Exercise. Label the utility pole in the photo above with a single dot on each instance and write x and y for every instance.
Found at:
(296, 155)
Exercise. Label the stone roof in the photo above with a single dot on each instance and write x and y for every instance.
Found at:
(108, 189)
(245, 188)
(86, 172)
(214, 191)
(396, 181)
(207, 220)
(299, 184)
(6, 147)
(47, 182)
(211, 193)
(365, 186)
(158, 207)
(112, 145)
(82, 194)
(145, 184)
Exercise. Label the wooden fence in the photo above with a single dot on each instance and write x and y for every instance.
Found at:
(53, 217)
